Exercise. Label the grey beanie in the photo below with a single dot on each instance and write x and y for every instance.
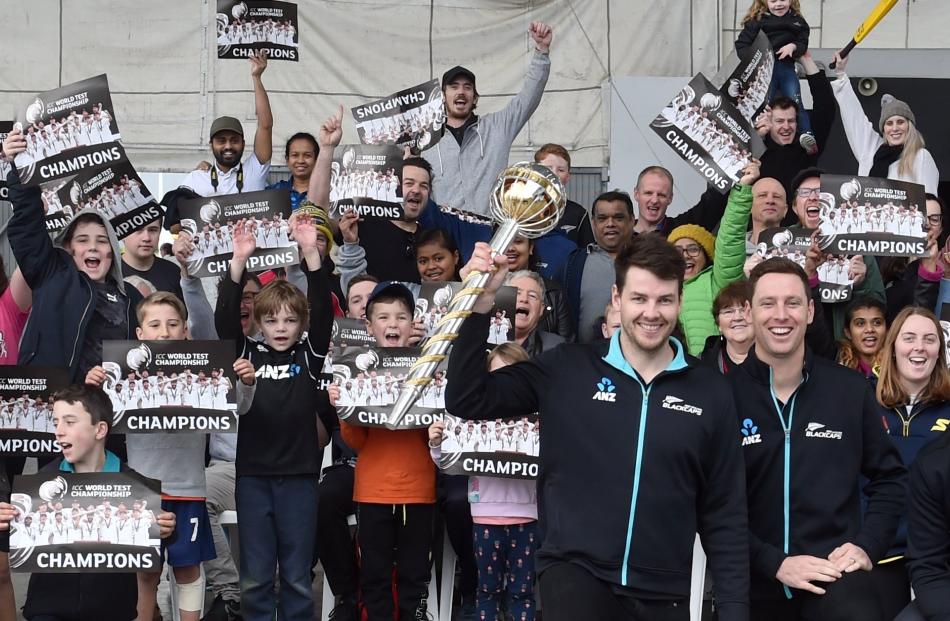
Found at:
(892, 106)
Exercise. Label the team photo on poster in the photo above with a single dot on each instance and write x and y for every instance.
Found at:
(367, 179)
(245, 26)
(433, 299)
(26, 410)
(502, 448)
(93, 522)
(211, 223)
(413, 117)
(171, 386)
(747, 86)
(835, 281)
(68, 129)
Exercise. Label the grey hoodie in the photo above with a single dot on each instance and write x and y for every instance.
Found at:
(116, 270)
(462, 177)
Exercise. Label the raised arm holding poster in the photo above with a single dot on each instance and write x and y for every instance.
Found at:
(171, 386)
(498, 448)
(709, 133)
(412, 117)
(870, 216)
(211, 221)
(835, 283)
(26, 411)
(67, 130)
(245, 26)
(367, 179)
(92, 522)
(370, 379)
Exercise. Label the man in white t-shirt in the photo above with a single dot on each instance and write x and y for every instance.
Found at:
(229, 174)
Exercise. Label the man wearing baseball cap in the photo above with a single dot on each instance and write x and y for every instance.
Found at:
(229, 174)
(465, 168)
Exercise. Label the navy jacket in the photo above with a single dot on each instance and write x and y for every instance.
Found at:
(64, 297)
(630, 471)
(928, 549)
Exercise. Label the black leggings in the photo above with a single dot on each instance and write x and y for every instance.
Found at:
(334, 542)
(571, 593)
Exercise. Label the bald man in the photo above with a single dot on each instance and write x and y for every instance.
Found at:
(769, 206)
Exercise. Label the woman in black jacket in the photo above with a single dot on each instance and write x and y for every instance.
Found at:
(556, 317)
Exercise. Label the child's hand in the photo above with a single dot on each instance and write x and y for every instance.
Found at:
(786, 51)
(96, 376)
(436, 433)
(7, 514)
(244, 370)
(14, 143)
(183, 248)
(418, 332)
(349, 227)
(334, 392)
(244, 242)
(166, 524)
(303, 232)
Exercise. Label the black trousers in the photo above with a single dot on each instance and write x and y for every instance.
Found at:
(571, 593)
(399, 535)
(457, 513)
(890, 583)
(333, 533)
(850, 598)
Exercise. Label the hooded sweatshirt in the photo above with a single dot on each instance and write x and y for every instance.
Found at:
(71, 313)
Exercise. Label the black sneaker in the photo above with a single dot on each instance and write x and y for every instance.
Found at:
(345, 610)
(223, 610)
(234, 610)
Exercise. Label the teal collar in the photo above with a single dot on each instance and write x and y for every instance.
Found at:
(112, 464)
(616, 359)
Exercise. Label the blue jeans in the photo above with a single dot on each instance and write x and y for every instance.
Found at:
(277, 525)
(785, 79)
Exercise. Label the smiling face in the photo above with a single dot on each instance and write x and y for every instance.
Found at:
(415, 190)
(518, 254)
(390, 323)
(460, 98)
(248, 325)
(653, 194)
(282, 329)
(735, 323)
(227, 148)
(916, 352)
(807, 207)
(528, 307)
(781, 311)
(768, 203)
(558, 166)
(895, 130)
(301, 158)
(78, 437)
(778, 7)
(91, 250)
(648, 309)
(784, 125)
(866, 332)
(435, 262)
(693, 255)
(612, 224)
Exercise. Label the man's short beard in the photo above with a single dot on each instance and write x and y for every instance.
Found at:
(221, 161)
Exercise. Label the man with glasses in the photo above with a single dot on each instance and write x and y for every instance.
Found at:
(589, 272)
(387, 248)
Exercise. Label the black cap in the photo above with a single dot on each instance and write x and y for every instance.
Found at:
(455, 72)
(797, 181)
(391, 288)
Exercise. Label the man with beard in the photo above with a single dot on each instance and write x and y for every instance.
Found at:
(229, 174)
(139, 260)
(588, 272)
(467, 163)
(387, 248)
(654, 434)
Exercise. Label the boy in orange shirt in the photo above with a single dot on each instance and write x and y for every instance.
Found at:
(394, 484)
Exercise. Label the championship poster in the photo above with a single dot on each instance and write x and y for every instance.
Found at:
(412, 117)
(433, 299)
(370, 379)
(89, 522)
(245, 26)
(746, 85)
(210, 222)
(5, 128)
(26, 409)
(869, 216)
(834, 280)
(68, 129)
(367, 179)
(171, 386)
(506, 448)
(709, 133)
(116, 191)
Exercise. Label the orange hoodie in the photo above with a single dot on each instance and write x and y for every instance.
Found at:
(393, 467)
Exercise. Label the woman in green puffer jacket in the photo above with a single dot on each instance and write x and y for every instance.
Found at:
(712, 262)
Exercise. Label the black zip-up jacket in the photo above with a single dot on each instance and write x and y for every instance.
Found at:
(806, 480)
(64, 297)
(928, 532)
(781, 30)
(630, 471)
(278, 434)
(84, 595)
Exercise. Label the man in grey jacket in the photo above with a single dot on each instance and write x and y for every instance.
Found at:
(465, 168)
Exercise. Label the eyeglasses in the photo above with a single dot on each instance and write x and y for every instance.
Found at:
(690, 251)
(731, 312)
(934, 219)
(806, 192)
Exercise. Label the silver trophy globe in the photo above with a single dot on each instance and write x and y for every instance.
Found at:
(528, 200)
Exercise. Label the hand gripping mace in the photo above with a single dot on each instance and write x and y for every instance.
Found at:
(528, 200)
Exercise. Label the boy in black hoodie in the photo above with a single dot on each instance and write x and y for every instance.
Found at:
(83, 417)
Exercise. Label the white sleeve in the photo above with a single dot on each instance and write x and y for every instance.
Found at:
(927, 173)
(863, 139)
(255, 173)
